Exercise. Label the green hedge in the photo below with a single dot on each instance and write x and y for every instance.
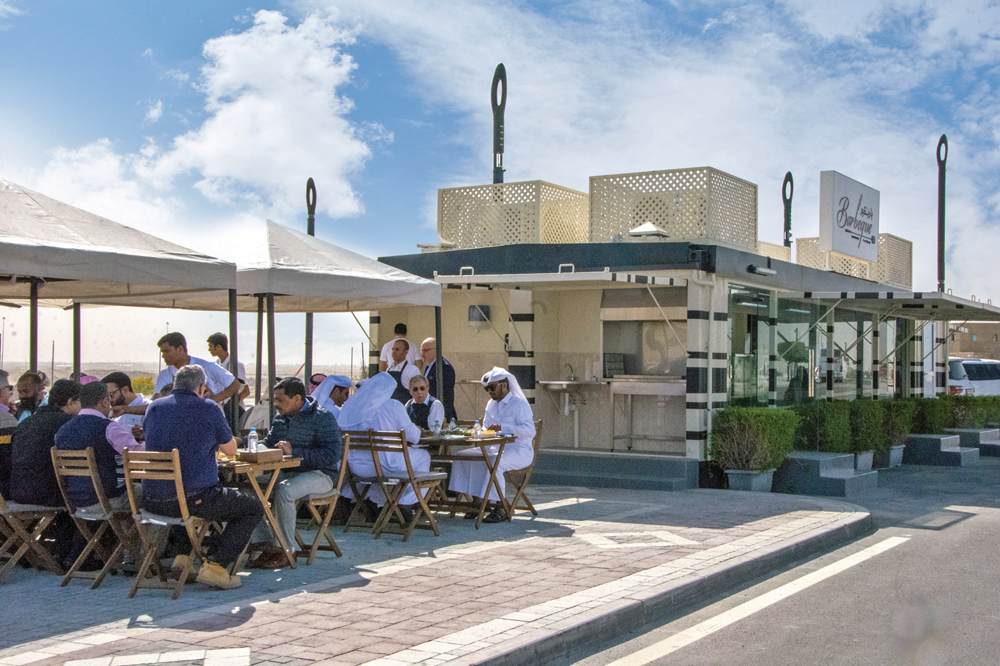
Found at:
(824, 426)
(752, 438)
(897, 419)
(867, 426)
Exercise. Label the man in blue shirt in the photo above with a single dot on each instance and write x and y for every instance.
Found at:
(305, 430)
(196, 426)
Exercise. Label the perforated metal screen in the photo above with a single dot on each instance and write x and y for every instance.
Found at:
(700, 205)
(893, 268)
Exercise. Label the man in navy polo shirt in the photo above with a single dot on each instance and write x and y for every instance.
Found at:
(197, 428)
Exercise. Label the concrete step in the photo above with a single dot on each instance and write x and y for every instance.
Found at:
(597, 469)
(827, 474)
(944, 450)
(987, 441)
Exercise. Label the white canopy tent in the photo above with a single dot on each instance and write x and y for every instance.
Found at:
(283, 270)
(58, 255)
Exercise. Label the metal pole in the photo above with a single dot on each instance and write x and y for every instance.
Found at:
(941, 161)
(33, 351)
(439, 372)
(499, 80)
(272, 368)
(787, 190)
(311, 230)
(260, 348)
(76, 342)
(234, 363)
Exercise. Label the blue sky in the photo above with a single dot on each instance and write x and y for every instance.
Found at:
(197, 120)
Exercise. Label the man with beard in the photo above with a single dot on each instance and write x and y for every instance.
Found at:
(29, 395)
(122, 396)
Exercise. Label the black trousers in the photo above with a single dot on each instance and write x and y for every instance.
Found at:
(240, 511)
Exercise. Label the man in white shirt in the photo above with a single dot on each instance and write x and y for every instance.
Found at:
(218, 346)
(173, 348)
(122, 396)
(402, 370)
(332, 393)
(385, 358)
(508, 413)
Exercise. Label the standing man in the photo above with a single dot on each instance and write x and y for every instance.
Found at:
(187, 421)
(7, 424)
(385, 358)
(173, 347)
(402, 370)
(428, 352)
(423, 409)
(508, 413)
(332, 392)
(7, 419)
(305, 430)
(92, 429)
(122, 396)
(218, 346)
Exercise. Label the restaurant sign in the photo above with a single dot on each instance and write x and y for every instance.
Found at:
(848, 216)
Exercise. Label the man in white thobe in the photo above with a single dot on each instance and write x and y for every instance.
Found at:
(508, 413)
(372, 406)
(332, 393)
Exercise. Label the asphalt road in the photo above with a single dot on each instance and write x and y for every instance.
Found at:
(932, 596)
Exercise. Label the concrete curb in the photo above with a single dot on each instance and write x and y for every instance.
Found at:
(627, 615)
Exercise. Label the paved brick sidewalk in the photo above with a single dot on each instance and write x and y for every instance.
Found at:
(459, 598)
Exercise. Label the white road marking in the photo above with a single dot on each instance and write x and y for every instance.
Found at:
(556, 504)
(710, 626)
(224, 657)
(652, 539)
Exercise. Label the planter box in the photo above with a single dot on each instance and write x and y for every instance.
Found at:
(863, 461)
(891, 458)
(758, 482)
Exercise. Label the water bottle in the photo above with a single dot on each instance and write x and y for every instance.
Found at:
(436, 428)
(452, 426)
(477, 431)
(252, 441)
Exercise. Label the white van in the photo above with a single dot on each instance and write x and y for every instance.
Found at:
(973, 376)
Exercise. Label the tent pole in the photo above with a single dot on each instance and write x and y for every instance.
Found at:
(439, 372)
(234, 402)
(33, 351)
(311, 230)
(76, 342)
(260, 348)
(272, 368)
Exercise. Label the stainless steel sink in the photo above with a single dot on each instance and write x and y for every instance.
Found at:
(564, 384)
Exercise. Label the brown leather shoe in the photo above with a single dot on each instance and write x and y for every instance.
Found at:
(277, 560)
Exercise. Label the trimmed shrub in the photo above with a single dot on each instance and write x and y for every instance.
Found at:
(967, 411)
(752, 438)
(824, 426)
(897, 420)
(931, 415)
(867, 426)
(144, 385)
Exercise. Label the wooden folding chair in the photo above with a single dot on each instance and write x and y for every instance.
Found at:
(394, 483)
(161, 466)
(84, 464)
(21, 526)
(359, 441)
(316, 502)
(519, 478)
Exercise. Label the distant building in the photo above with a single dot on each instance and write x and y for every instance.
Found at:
(975, 340)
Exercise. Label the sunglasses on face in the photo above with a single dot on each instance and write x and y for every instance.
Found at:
(490, 388)
(419, 388)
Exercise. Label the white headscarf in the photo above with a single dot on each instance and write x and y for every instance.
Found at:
(499, 374)
(360, 409)
(322, 392)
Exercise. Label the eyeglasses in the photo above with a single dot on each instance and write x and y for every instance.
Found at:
(419, 388)
(490, 388)
(111, 394)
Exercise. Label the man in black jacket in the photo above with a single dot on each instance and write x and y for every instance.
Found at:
(33, 479)
(305, 430)
(428, 352)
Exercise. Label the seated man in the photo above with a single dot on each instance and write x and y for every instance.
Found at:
(29, 394)
(423, 409)
(305, 430)
(92, 429)
(122, 395)
(33, 479)
(332, 392)
(402, 370)
(7, 424)
(508, 413)
(197, 428)
(372, 406)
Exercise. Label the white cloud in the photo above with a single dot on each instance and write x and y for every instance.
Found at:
(9, 8)
(275, 118)
(155, 111)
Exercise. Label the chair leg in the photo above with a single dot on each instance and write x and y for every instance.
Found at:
(424, 508)
(28, 542)
(323, 531)
(149, 560)
(359, 499)
(391, 508)
(93, 539)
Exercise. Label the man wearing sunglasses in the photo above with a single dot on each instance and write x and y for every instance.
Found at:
(423, 409)
(507, 413)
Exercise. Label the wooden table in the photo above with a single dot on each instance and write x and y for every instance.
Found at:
(440, 449)
(252, 470)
